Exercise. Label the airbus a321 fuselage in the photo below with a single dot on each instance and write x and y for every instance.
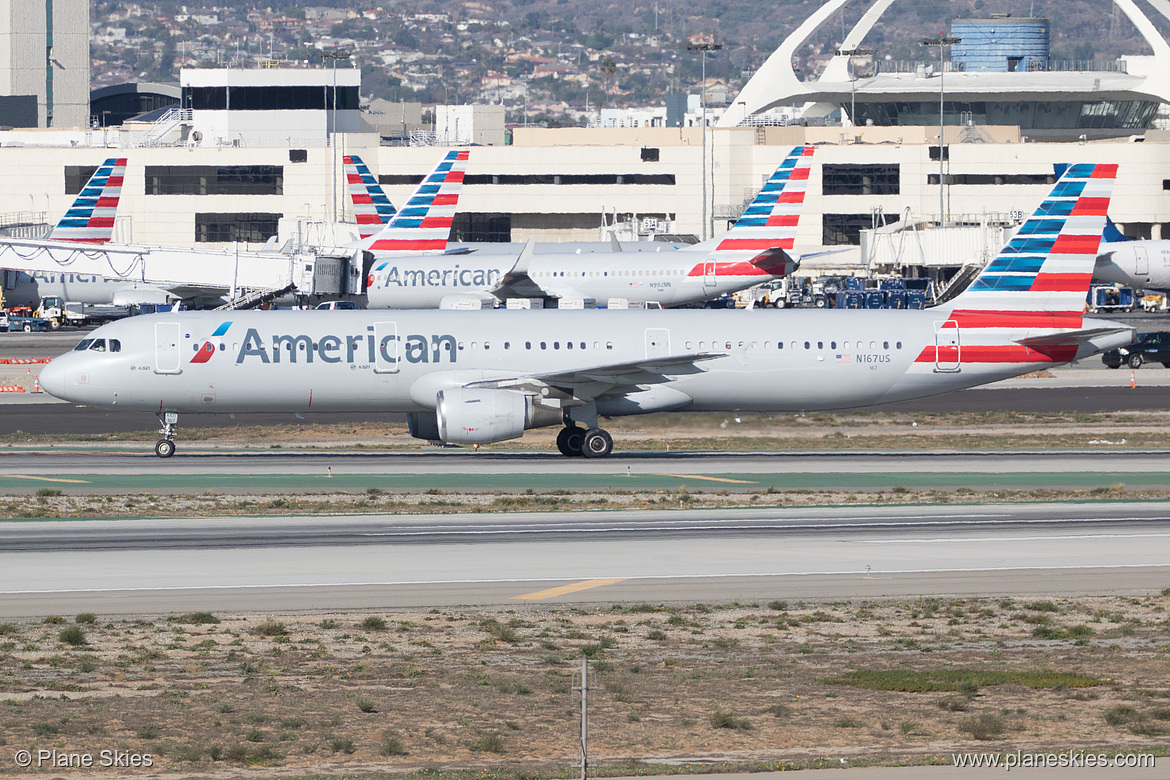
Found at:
(485, 376)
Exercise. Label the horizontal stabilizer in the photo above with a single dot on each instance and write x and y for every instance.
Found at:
(1080, 336)
(776, 261)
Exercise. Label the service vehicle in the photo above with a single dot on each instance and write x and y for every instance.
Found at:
(1152, 347)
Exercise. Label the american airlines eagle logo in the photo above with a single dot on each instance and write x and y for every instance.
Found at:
(204, 353)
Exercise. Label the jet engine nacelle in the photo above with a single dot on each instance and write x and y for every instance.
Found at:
(481, 416)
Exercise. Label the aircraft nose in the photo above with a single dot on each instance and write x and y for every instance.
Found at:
(52, 379)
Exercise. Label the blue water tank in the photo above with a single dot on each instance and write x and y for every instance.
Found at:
(1000, 45)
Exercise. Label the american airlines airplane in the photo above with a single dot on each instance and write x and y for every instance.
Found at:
(1143, 265)
(755, 250)
(90, 220)
(474, 377)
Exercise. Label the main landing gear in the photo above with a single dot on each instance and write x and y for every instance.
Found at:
(576, 442)
(165, 447)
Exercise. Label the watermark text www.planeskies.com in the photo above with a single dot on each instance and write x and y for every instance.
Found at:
(1066, 759)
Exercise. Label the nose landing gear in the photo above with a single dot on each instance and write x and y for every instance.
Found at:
(165, 447)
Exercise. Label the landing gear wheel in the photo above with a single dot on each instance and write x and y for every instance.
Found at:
(1134, 360)
(164, 448)
(570, 441)
(597, 444)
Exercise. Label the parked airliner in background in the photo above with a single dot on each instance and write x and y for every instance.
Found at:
(372, 209)
(90, 220)
(423, 225)
(486, 376)
(1141, 264)
(755, 250)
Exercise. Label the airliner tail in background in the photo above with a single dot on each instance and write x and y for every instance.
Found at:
(90, 219)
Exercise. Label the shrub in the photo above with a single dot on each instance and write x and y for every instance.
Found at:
(365, 704)
(270, 628)
(341, 745)
(49, 493)
(73, 635)
(487, 742)
(255, 735)
(198, 618)
(953, 704)
(779, 710)
(987, 725)
(778, 606)
(392, 745)
(147, 732)
(374, 623)
(6, 629)
(721, 719)
(53, 620)
(85, 617)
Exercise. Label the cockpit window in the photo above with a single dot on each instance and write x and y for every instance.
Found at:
(98, 345)
(84, 345)
(115, 345)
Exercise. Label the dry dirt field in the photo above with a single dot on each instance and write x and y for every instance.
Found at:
(491, 693)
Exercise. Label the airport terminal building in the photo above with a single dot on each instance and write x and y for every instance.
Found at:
(248, 155)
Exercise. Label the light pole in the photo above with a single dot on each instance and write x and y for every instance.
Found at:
(334, 54)
(704, 44)
(853, 81)
(941, 42)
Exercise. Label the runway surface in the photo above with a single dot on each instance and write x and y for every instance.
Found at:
(105, 471)
(322, 563)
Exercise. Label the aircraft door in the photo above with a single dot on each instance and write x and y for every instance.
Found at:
(657, 342)
(387, 348)
(1141, 261)
(166, 348)
(947, 357)
(709, 274)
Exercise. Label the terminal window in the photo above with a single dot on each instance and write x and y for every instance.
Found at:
(76, 176)
(995, 179)
(860, 180)
(223, 228)
(214, 180)
(838, 229)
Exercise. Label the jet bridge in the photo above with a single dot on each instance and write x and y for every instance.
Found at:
(188, 272)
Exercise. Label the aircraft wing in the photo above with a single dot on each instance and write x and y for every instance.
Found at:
(585, 384)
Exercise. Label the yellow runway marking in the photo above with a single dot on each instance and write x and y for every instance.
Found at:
(710, 479)
(576, 586)
(45, 479)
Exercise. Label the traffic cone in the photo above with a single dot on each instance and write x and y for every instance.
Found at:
(36, 384)
(1132, 379)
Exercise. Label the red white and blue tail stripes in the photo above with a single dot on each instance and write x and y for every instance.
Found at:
(1047, 266)
(371, 207)
(91, 217)
(1026, 307)
(423, 225)
(770, 220)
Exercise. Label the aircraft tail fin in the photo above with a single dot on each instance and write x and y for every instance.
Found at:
(770, 220)
(370, 204)
(423, 225)
(90, 219)
(1047, 266)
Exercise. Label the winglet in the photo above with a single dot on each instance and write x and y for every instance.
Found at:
(90, 219)
(423, 225)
